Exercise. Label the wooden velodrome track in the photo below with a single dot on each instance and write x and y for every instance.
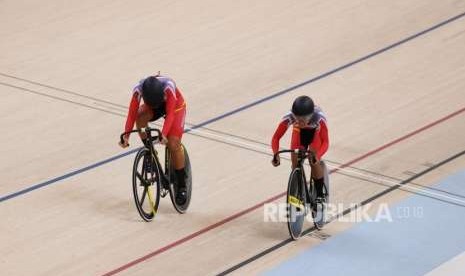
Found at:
(388, 74)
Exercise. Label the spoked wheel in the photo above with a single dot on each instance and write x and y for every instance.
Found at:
(146, 184)
(173, 187)
(295, 204)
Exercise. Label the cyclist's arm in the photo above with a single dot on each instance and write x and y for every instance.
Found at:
(170, 110)
(280, 131)
(132, 112)
(324, 139)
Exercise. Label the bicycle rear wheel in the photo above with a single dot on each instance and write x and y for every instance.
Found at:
(295, 203)
(146, 184)
(187, 167)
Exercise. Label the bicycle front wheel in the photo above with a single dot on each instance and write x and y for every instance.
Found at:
(295, 203)
(146, 184)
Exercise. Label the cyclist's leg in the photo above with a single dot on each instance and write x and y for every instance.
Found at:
(144, 116)
(318, 178)
(317, 169)
(177, 155)
(295, 144)
(174, 140)
(307, 139)
(177, 152)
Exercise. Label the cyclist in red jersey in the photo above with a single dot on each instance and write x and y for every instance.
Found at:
(161, 98)
(310, 131)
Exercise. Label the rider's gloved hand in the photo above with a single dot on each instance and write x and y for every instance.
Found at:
(276, 161)
(125, 143)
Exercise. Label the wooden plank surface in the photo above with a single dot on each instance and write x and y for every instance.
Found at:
(66, 72)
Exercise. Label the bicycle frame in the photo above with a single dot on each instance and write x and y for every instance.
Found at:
(153, 152)
(165, 181)
(302, 155)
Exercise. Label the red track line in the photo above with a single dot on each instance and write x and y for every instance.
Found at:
(193, 235)
(413, 133)
(250, 209)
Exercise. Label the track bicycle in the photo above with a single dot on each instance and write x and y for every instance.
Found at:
(151, 180)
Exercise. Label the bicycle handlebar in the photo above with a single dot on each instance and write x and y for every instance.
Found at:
(147, 130)
(304, 153)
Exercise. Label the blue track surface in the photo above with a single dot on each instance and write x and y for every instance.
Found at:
(405, 246)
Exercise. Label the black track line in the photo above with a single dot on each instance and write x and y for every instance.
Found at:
(345, 212)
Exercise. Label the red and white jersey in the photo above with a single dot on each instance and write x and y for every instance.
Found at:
(317, 123)
(174, 101)
(314, 123)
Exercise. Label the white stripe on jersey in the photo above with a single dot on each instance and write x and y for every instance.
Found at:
(317, 117)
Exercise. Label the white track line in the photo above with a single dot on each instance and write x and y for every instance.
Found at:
(351, 172)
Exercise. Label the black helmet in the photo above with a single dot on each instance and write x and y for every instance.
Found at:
(153, 92)
(303, 106)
